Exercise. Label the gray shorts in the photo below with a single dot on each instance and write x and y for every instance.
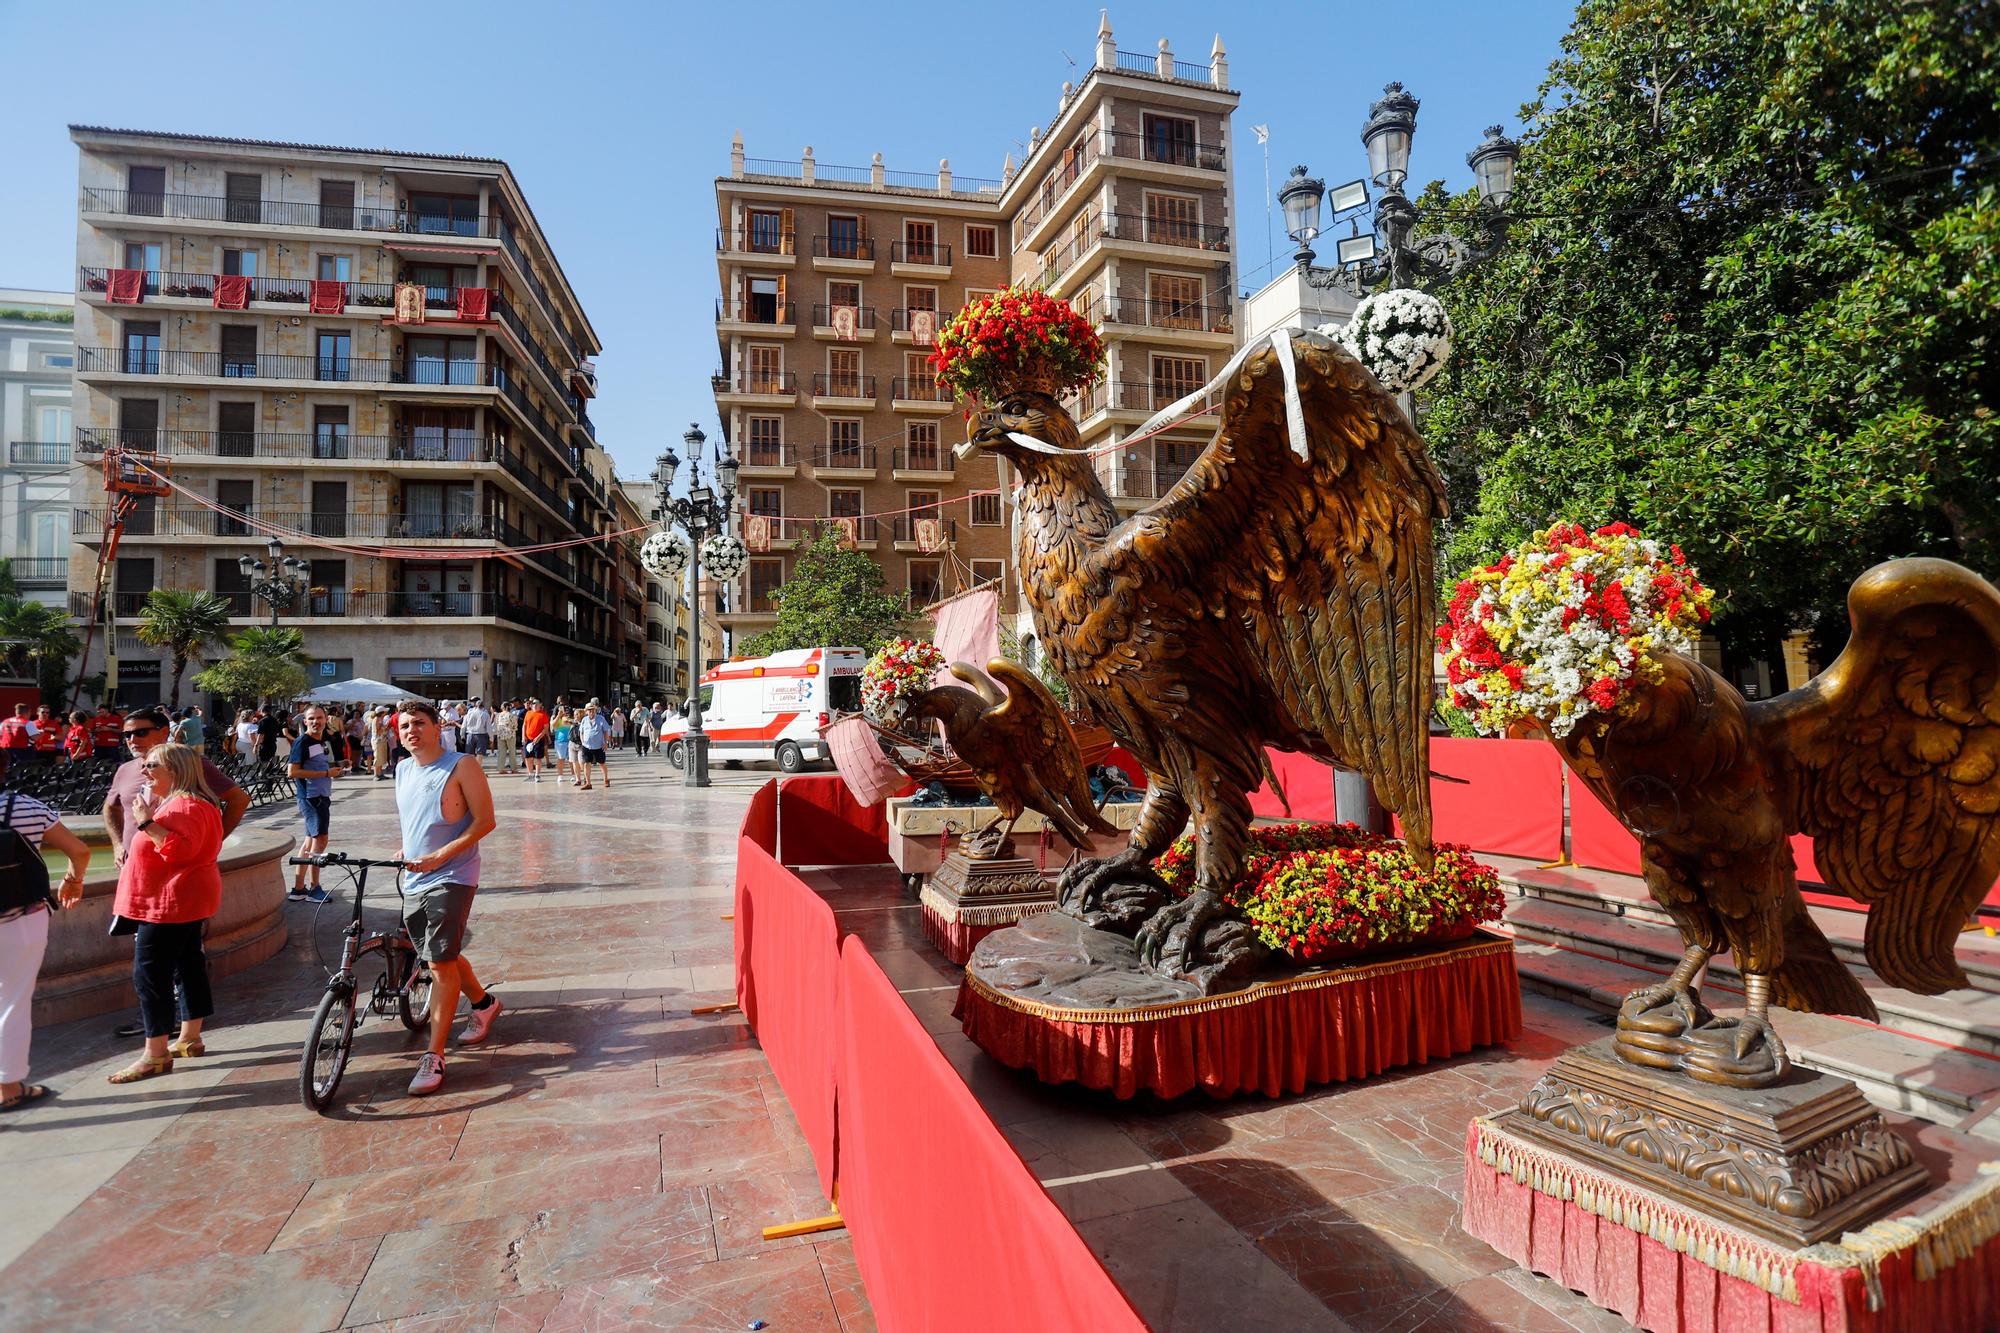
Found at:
(436, 920)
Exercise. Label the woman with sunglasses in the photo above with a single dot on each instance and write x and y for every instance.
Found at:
(168, 886)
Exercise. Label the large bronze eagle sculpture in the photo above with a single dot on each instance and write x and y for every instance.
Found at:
(1278, 595)
(1889, 760)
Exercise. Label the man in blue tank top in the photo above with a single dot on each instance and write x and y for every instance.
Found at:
(446, 808)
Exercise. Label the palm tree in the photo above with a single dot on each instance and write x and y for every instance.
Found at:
(184, 622)
(33, 635)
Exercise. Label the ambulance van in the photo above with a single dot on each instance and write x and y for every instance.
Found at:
(772, 708)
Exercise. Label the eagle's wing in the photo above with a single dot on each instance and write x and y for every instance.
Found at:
(983, 687)
(1893, 758)
(1030, 700)
(1324, 560)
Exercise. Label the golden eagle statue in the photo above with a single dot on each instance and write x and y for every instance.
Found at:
(1889, 760)
(1279, 594)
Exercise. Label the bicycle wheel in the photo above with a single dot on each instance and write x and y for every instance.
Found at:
(413, 1002)
(324, 1059)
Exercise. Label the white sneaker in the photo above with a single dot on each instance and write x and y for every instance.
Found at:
(430, 1075)
(480, 1023)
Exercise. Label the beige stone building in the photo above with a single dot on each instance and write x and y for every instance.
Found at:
(834, 279)
(238, 317)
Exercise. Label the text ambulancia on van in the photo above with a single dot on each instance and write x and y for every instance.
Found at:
(772, 707)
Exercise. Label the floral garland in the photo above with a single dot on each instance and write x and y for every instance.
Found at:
(1562, 628)
(899, 669)
(1016, 338)
(1402, 335)
(666, 553)
(1320, 891)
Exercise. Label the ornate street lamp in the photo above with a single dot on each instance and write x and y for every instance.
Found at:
(277, 583)
(703, 513)
(1387, 255)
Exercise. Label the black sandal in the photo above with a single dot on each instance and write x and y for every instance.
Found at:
(30, 1092)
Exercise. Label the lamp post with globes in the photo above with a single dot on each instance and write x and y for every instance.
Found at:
(277, 584)
(1387, 255)
(702, 511)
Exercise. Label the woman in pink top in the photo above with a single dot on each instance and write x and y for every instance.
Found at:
(168, 887)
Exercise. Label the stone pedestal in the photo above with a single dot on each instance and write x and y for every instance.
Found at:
(966, 898)
(1801, 1161)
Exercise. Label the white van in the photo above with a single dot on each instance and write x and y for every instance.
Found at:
(772, 707)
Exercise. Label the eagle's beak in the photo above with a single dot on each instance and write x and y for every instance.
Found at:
(985, 433)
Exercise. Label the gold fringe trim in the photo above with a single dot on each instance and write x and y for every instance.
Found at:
(1714, 1244)
(997, 914)
(1262, 990)
(1938, 1240)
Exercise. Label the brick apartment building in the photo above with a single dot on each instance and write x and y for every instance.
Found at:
(237, 315)
(834, 280)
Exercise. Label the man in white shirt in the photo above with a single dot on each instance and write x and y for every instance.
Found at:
(476, 725)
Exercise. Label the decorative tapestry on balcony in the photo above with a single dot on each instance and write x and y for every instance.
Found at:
(410, 303)
(232, 292)
(127, 286)
(327, 298)
(475, 303)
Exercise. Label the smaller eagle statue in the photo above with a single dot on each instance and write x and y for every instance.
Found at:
(1018, 746)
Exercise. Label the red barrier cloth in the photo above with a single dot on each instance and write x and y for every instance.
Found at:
(1274, 1038)
(950, 1229)
(1308, 786)
(1649, 1283)
(232, 292)
(821, 824)
(474, 303)
(326, 298)
(1511, 802)
(953, 938)
(787, 954)
(1596, 837)
(127, 286)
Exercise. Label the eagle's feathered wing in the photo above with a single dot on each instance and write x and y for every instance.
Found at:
(1324, 561)
(1892, 755)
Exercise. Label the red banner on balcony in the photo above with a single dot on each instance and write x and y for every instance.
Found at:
(410, 308)
(846, 323)
(475, 303)
(232, 292)
(127, 286)
(326, 298)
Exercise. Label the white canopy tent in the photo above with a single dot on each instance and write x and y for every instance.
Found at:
(360, 690)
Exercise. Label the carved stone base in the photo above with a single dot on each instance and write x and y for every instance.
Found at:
(965, 881)
(1798, 1162)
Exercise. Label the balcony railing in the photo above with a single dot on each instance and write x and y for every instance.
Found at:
(1159, 313)
(416, 444)
(781, 381)
(774, 313)
(39, 570)
(919, 389)
(517, 468)
(1143, 481)
(934, 459)
(1178, 71)
(31, 453)
(269, 212)
(839, 384)
(857, 457)
(280, 291)
(770, 455)
(920, 252)
(1160, 148)
(755, 241)
(1069, 167)
(142, 360)
(1166, 231)
(189, 520)
(505, 233)
(864, 316)
(844, 247)
(1127, 395)
(905, 528)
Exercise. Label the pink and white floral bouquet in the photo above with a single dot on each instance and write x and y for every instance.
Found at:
(1564, 627)
(899, 669)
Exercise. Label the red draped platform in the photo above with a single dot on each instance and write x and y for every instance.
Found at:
(1274, 1037)
(955, 937)
(1671, 1270)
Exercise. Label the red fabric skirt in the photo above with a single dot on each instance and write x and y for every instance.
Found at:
(1274, 1038)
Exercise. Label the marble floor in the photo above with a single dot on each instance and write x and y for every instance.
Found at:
(608, 1161)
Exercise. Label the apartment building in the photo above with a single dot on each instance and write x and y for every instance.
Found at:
(835, 279)
(37, 354)
(370, 355)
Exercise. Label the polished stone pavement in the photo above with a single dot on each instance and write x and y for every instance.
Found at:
(608, 1160)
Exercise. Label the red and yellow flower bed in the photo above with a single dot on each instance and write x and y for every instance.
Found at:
(1319, 892)
(1017, 338)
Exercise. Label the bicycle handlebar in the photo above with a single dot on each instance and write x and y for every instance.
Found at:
(343, 859)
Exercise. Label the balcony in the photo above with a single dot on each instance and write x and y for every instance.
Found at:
(766, 317)
(843, 254)
(1209, 321)
(920, 259)
(935, 463)
(910, 532)
(38, 453)
(765, 245)
(1165, 151)
(914, 326)
(851, 461)
(280, 213)
(1132, 229)
(768, 461)
(824, 326)
(770, 389)
(840, 389)
(1142, 482)
(1117, 396)
(360, 298)
(204, 524)
(144, 360)
(1069, 167)
(529, 480)
(920, 393)
(39, 571)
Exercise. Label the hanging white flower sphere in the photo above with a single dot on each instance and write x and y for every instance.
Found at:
(666, 553)
(723, 555)
(1403, 336)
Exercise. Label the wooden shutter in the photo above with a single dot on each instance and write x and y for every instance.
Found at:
(785, 243)
(781, 317)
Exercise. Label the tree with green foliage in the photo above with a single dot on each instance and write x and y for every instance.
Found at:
(835, 597)
(264, 664)
(37, 640)
(8, 588)
(185, 622)
(1748, 303)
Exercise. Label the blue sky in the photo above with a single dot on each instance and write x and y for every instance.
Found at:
(616, 118)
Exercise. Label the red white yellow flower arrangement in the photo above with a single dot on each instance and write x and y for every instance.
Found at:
(1323, 891)
(1016, 338)
(1565, 626)
(899, 668)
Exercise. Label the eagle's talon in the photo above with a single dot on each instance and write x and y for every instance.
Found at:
(1198, 909)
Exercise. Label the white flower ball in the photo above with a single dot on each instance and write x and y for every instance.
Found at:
(666, 553)
(1403, 336)
(724, 555)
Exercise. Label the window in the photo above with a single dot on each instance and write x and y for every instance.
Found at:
(335, 268)
(768, 501)
(766, 577)
(239, 351)
(232, 585)
(920, 243)
(442, 360)
(239, 496)
(763, 300)
(1173, 301)
(439, 434)
(437, 590)
(1172, 458)
(926, 582)
(843, 443)
(434, 509)
(327, 588)
(843, 372)
(329, 509)
(920, 298)
(239, 263)
(981, 242)
(767, 370)
(1170, 139)
(455, 214)
(1175, 377)
(335, 356)
(764, 446)
(920, 447)
(245, 193)
(57, 360)
(988, 571)
(986, 509)
(336, 204)
(51, 536)
(329, 432)
(142, 347)
(922, 504)
(146, 190)
(139, 423)
(441, 281)
(236, 430)
(919, 377)
(1173, 219)
(843, 237)
(768, 232)
(843, 503)
(53, 424)
(843, 293)
(145, 256)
